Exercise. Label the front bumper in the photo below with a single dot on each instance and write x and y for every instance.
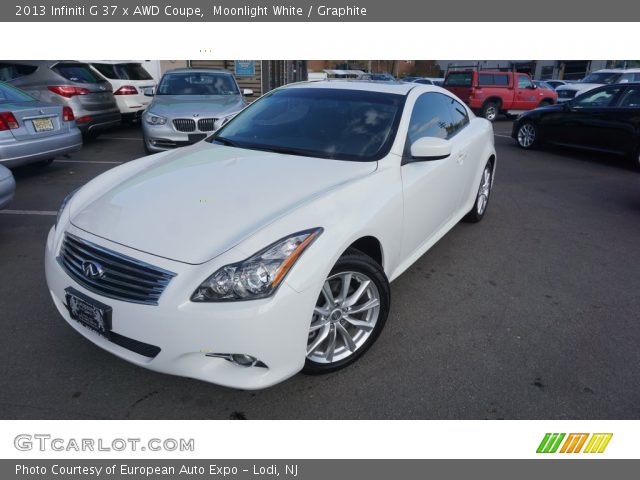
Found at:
(16, 153)
(273, 330)
(159, 138)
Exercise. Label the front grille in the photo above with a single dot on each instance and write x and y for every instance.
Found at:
(112, 274)
(185, 124)
(207, 124)
(566, 93)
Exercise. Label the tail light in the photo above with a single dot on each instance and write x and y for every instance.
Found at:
(68, 91)
(86, 118)
(126, 90)
(67, 114)
(8, 121)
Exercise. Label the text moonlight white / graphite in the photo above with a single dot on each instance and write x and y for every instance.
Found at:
(250, 11)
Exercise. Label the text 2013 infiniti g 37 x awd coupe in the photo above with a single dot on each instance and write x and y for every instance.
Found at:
(269, 248)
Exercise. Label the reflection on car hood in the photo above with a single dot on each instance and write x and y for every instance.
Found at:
(204, 105)
(197, 202)
(578, 86)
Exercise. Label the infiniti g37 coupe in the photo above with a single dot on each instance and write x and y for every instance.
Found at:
(268, 248)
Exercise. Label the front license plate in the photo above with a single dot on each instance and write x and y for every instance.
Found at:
(196, 137)
(42, 124)
(89, 312)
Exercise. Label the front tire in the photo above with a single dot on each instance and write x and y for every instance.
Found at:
(350, 313)
(482, 197)
(527, 135)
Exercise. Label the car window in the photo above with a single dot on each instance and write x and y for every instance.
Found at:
(459, 116)
(524, 82)
(77, 72)
(11, 94)
(424, 81)
(332, 123)
(123, 71)
(498, 79)
(630, 98)
(431, 117)
(601, 77)
(599, 98)
(9, 71)
(459, 79)
(197, 83)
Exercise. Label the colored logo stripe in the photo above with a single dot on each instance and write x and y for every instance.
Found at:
(550, 443)
(597, 443)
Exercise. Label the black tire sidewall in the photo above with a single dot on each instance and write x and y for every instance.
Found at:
(355, 261)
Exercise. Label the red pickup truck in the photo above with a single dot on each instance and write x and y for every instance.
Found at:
(490, 93)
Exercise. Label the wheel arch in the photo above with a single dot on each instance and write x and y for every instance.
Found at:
(370, 246)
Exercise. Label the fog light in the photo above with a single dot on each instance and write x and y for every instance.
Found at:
(240, 359)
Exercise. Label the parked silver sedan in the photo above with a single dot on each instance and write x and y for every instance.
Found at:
(33, 131)
(7, 187)
(189, 105)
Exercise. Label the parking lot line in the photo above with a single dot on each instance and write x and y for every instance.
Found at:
(28, 212)
(89, 161)
(135, 139)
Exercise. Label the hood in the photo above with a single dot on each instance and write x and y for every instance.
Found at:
(173, 106)
(578, 87)
(197, 202)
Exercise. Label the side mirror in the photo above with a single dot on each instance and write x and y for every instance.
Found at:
(247, 92)
(533, 86)
(430, 148)
(149, 92)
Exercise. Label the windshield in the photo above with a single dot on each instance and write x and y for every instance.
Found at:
(318, 122)
(123, 71)
(601, 77)
(11, 94)
(197, 83)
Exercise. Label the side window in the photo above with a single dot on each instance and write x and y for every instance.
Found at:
(502, 80)
(459, 116)
(9, 71)
(599, 98)
(630, 98)
(430, 118)
(524, 82)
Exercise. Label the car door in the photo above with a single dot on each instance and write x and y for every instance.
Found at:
(591, 119)
(526, 95)
(431, 189)
(622, 122)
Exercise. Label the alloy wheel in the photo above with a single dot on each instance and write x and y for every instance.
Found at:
(485, 190)
(526, 135)
(344, 317)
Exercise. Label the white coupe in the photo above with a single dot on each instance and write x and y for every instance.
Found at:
(268, 248)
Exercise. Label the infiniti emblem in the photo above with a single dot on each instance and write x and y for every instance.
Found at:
(92, 269)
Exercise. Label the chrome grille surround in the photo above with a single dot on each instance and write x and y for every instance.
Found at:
(184, 124)
(122, 278)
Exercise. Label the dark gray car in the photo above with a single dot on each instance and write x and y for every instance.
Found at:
(69, 83)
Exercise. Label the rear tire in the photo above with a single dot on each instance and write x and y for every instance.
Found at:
(545, 103)
(482, 197)
(350, 313)
(635, 160)
(490, 110)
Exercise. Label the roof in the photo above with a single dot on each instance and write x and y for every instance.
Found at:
(400, 88)
(198, 70)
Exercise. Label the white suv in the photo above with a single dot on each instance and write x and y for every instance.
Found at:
(597, 79)
(129, 81)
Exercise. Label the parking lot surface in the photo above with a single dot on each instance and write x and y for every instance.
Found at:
(531, 314)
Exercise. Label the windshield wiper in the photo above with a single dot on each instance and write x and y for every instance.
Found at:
(225, 141)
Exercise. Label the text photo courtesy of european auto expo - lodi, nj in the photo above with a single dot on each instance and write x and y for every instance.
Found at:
(371, 239)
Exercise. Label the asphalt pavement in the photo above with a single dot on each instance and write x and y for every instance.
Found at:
(534, 313)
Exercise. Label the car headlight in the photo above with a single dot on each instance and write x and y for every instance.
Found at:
(65, 202)
(258, 276)
(222, 121)
(153, 119)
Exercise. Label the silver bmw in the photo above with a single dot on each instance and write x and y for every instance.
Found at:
(188, 106)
